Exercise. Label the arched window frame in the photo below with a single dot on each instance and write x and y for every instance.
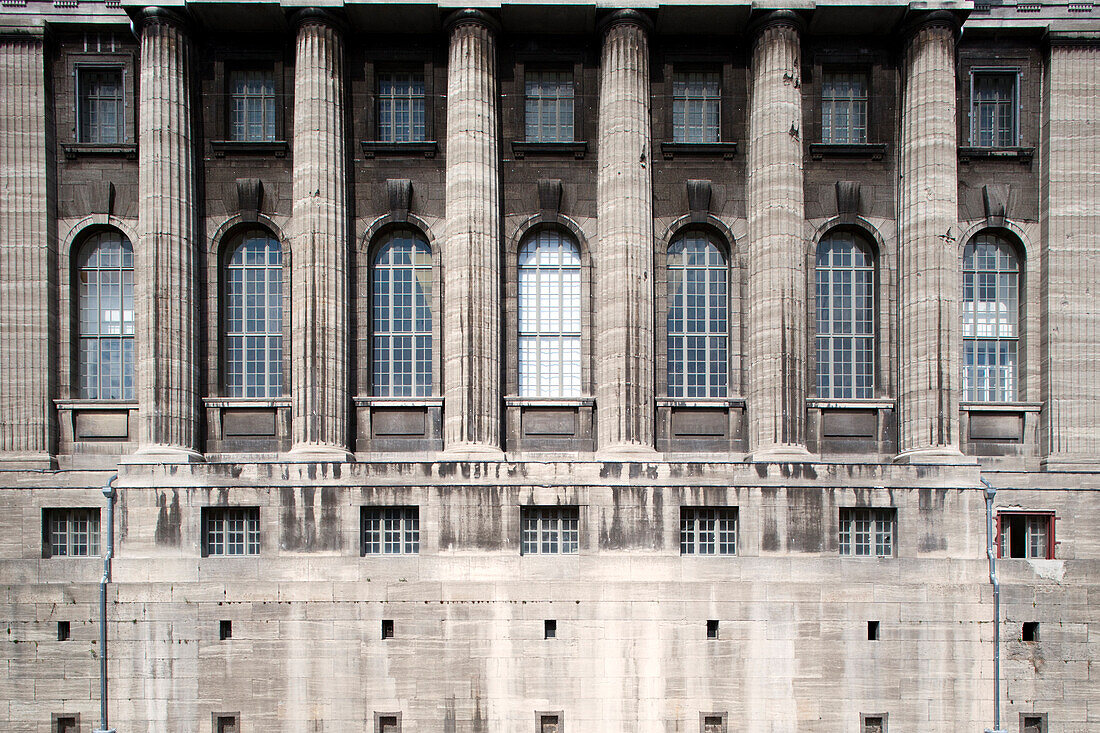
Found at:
(718, 283)
(825, 340)
(1005, 334)
(84, 334)
(429, 267)
(275, 385)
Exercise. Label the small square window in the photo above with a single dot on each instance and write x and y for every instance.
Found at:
(1027, 536)
(549, 106)
(62, 630)
(550, 530)
(252, 105)
(387, 722)
(71, 532)
(401, 107)
(1030, 631)
(387, 628)
(696, 107)
(875, 723)
(100, 99)
(844, 109)
(225, 630)
(708, 530)
(712, 723)
(65, 723)
(712, 628)
(231, 531)
(1033, 723)
(867, 532)
(994, 110)
(227, 722)
(391, 530)
(549, 723)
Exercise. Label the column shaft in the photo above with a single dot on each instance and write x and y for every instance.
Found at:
(777, 335)
(319, 245)
(1070, 259)
(28, 311)
(471, 254)
(164, 284)
(928, 310)
(624, 250)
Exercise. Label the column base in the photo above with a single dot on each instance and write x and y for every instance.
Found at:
(627, 452)
(319, 453)
(471, 452)
(154, 454)
(1070, 464)
(938, 456)
(36, 461)
(782, 454)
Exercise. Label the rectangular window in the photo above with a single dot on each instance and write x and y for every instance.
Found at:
(867, 532)
(1029, 536)
(550, 530)
(66, 724)
(708, 530)
(549, 106)
(844, 109)
(100, 102)
(696, 105)
(549, 724)
(1033, 723)
(401, 107)
(873, 723)
(387, 723)
(252, 105)
(72, 532)
(993, 109)
(231, 530)
(713, 723)
(393, 530)
(226, 723)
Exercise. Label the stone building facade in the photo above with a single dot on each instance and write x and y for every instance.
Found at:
(546, 367)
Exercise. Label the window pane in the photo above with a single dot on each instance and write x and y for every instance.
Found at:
(993, 109)
(232, 530)
(866, 532)
(105, 317)
(401, 317)
(990, 317)
(845, 311)
(549, 304)
(101, 98)
(252, 105)
(73, 532)
(253, 317)
(391, 530)
(549, 106)
(844, 109)
(550, 530)
(401, 107)
(697, 321)
(708, 531)
(696, 100)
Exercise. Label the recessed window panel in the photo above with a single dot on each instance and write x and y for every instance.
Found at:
(105, 318)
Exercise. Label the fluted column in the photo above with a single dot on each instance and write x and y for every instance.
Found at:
(623, 253)
(27, 310)
(471, 251)
(319, 244)
(928, 272)
(1070, 224)
(165, 295)
(776, 395)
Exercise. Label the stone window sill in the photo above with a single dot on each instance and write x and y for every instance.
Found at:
(246, 402)
(517, 401)
(860, 151)
(424, 148)
(671, 149)
(1001, 406)
(521, 148)
(372, 401)
(278, 148)
(79, 404)
(822, 403)
(700, 402)
(77, 150)
(968, 153)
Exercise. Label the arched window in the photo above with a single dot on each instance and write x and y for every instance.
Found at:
(549, 316)
(254, 316)
(990, 315)
(698, 331)
(401, 320)
(845, 317)
(105, 329)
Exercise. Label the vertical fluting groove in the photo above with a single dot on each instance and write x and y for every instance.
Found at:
(27, 340)
(776, 395)
(929, 338)
(167, 367)
(623, 254)
(319, 246)
(471, 371)
(1070, 265)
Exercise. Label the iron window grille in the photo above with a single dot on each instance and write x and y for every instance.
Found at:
(549, 305)
(252, 105)
(391, 530)
(708, 530)
(401, 317)
(867, 532)
(549, 106)
(697, 318)
(401, 107)
(105, 318)
(844, 104)
(845, 288)
(696, 107)
(1027, 535)
(994, 108)
(101, 103)
(72, 532)
(254, 317)
(550, 530)
(229, 531)
(990, 315)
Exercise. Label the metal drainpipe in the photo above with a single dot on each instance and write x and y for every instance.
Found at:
(109, 493)
(991, 551)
